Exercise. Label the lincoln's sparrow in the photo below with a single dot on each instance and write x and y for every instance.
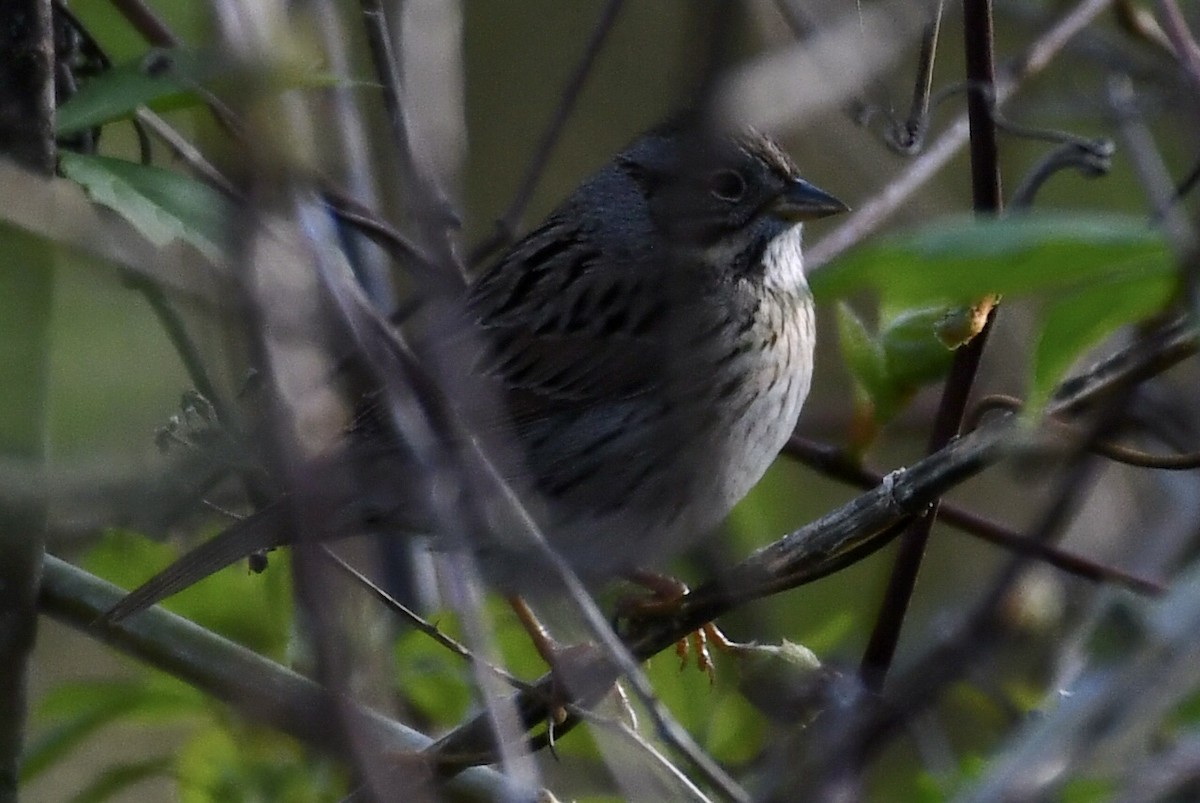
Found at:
(654, 338)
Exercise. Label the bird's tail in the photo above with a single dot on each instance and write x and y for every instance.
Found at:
(263, 530)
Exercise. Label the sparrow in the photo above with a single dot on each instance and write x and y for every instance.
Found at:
(652, 340)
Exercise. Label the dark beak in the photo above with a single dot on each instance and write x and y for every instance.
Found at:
(802, 201)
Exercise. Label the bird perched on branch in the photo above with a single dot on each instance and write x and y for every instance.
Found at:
(653, 342)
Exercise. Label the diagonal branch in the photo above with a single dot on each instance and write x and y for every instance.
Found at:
(843, 535)
(509, 222)
(837, 464)
(261, 689)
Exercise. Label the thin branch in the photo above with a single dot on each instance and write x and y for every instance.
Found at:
(918, 113)
(1156, 182)
(260, 689)
(1092, 159)
(985, 185)
(146, 22)
(1116, 452)
(1184, 45)
(507, 225)
(400, 248)
(874, 726)
(1187, 184)
(907, 136)
(871, 215)
(420, 623)
(836, 463)
(857, 527)
(182, 342)
(427, 202)
(188, 153)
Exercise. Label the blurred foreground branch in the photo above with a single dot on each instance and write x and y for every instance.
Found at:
(26, 287)
(274, 695)
(849, 532)
(261, 689)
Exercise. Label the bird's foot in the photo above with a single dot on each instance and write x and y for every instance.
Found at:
(666, 593)
(563, 660)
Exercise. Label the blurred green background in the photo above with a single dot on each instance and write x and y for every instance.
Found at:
(116, 379)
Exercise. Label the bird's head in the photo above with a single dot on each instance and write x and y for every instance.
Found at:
(721, 194)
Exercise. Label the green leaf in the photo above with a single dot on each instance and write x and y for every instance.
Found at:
(167, 79)
(54, 744)
(434, 681)
(121, 777)
(75, 711)
(1094, 273)
(253, 764)
(161, 204)
(155, 696)
(889, 368)
(1078, 321)
(863, 354)
(959, 260)
(1087, 790)
(913, 354)
(163, 79)
(735, 730)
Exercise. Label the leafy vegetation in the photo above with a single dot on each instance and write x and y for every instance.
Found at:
(1083, 669)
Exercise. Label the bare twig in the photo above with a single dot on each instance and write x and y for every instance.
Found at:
(834, 462)
(261, 689)
(382, 233)
(420, 623)
(1156, 183)
(188, 153)
(1092, 159)
(1187, 51)
(146, 22)
(182, 342)
(985, 184)
(510, 221)
(907, 136)
(1113, 451)
(984, 624)
(913, 134)
(428, 202)
(1187, 184)
(871, 215)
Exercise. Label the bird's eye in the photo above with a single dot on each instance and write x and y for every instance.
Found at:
(727, 185)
